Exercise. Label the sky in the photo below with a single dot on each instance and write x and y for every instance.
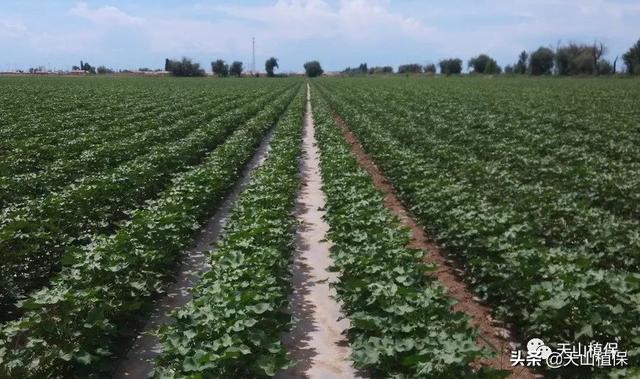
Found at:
(339, 33)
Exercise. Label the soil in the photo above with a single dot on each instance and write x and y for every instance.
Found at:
(496, 337)
(138, 362)
(317, 341)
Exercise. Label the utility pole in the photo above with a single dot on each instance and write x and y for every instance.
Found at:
(253, 55)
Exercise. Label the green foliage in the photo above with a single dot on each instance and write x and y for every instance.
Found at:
(232, 327)
(521, 67)
(270, 65)
(450, 66)
(604, 67)
(430, 68)
(87, 67)
(578, 59)
(381, 70)
(528, 184)
(411, 68)
(236, 69)
(541, 61)
(39, 229)
(70, 327)
(102, 70)
(402, 324)
(484, 64)
(362, 69)
(313, 69)
(632, 59)
(220, 68)
(184, 67)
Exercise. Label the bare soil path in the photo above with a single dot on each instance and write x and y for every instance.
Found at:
(316, 340)
(497, 337)
(138, 362)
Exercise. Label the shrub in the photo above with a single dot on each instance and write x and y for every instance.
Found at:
(270, 65)
(541, 61)
(484, 64)
(430, 68)
(411, 68)
(450, 66)
(313, 69)
(184, 67)
(220, 68)
(632, 59)
(236, 69)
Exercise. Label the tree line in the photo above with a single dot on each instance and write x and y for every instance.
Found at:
(570, 59)
(85, 66)
(219, 67)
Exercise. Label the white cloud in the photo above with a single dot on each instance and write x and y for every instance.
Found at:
(506, 27)
(380, 30)
(351, 20)
(284, 21)
(184, 36)
(106, 15)
(11, 28)
(60, 42)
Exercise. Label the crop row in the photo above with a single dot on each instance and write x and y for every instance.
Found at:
(37, 113)
(232, 327)
(64, 132)
(402, 324)
(501, 165)
(44, 109)
(116, 148)
(555, 292)
(66, 135)
(37, 233)
(72, 326)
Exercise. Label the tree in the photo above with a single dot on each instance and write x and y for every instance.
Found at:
(270, 65)
(87, 67)
(102, 70)
(361, 69)
(597, 51)
(411, 68)
(450, 66)
(484, 64)
(521, 66)
(541, 61)
(632, 59)
(185, 67)
(381, 70)
(579, 59)
(313, 69)
(562, 59)
(430, 68)
(492, 68)
(236, 69)
(220, 68)
(167, 64)
(604, 67)
(508, 69)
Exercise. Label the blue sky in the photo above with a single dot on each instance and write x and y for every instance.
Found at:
(339, 33)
